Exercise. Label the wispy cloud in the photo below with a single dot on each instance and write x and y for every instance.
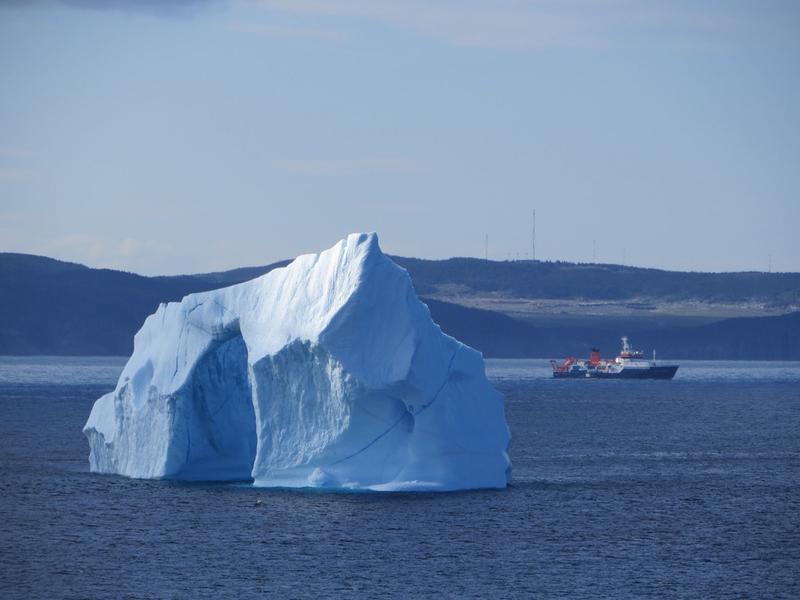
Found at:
(14, 175)
(350, 166)
(15, 152)
(159, 7)
(14, 164)
(102, 251)
(290, 31)
(552, 23)
(508, 23)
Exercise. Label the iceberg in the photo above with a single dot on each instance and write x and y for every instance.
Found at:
(326, 373)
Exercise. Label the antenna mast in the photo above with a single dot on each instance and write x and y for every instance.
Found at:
(533, 237)
(487, 246)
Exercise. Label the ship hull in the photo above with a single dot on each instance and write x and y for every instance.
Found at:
(665, 372)
(661, 372)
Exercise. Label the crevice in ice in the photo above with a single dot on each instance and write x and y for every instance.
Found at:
(177, 352)
(380, 436)
(407, 413)
(178, 346)
(194, 308)
(223, 307)
(443, 385)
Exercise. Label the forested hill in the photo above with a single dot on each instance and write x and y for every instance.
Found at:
(54, 307)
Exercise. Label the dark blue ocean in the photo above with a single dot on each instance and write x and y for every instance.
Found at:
(644, 489)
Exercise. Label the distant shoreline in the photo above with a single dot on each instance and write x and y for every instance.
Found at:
(505, 309)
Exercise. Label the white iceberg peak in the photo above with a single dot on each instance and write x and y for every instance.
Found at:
(328, 372)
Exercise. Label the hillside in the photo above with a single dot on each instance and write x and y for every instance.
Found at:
(562, 280)
(54, 307)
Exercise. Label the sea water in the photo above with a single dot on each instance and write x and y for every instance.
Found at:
(687, 488)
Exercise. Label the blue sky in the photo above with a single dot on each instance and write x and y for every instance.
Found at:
(169, 137)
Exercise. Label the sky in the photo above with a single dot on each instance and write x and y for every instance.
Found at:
(165, 136)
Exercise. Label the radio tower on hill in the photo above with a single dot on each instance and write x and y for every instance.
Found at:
(533, 237)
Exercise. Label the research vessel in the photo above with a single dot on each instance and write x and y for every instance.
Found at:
(630, 364)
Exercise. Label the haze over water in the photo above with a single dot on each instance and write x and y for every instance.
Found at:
(685, 488)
